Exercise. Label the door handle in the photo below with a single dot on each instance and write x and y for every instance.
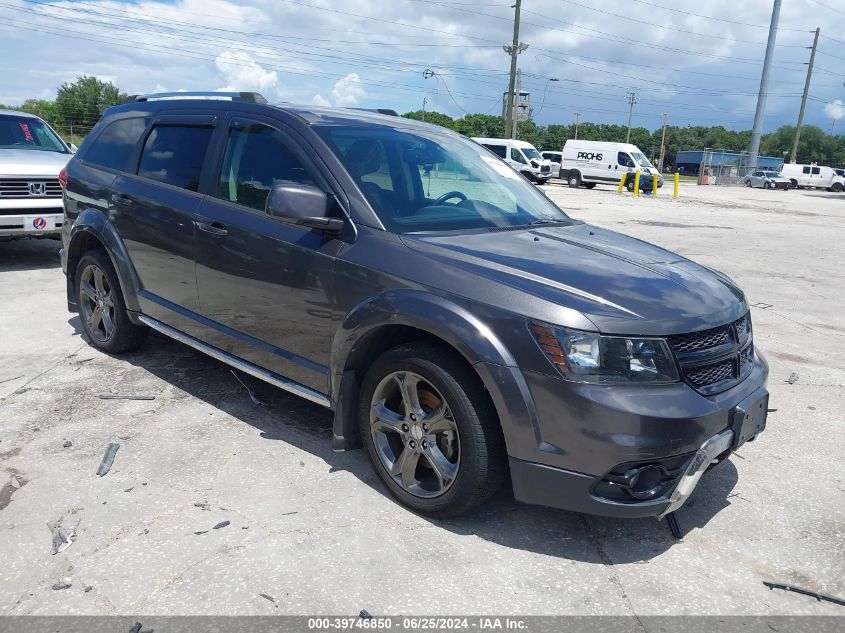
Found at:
(210, 226)
(121, 200)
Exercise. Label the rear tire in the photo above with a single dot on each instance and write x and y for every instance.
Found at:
(101, 307)
(836, 187)
(574, 180)
(748, 183)
(443, 467)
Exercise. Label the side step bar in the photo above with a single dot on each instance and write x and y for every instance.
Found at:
(238, 363)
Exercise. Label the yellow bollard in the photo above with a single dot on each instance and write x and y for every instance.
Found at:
(637, 184)
(677, 180)
(654, 185)
(621, 183)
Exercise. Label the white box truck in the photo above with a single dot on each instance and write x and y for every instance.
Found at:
(815, 176)
(592, 163)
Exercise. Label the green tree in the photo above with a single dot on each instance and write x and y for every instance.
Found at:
(437, 118)
(83, 101)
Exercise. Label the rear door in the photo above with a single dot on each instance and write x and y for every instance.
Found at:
(153, 210)
(265, 286)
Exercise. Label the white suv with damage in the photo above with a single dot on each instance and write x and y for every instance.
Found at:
(31, 157)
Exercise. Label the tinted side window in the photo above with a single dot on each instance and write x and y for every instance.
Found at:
(806, 170)
(115, 143)
(498, 150)
(817, 170)
(256, 158)
(174, 155)
(623, 159)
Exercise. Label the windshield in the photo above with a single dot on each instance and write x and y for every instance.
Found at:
(531, 153)
(771, 174)
(641, 159)
(428, 181)
(18, 132)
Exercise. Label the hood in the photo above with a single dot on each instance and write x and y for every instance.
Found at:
(621, 284)
(32, 162)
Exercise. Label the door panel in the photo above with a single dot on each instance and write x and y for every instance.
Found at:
(265, 286)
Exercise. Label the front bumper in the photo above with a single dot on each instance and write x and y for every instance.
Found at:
(629, 452)
(47, 223)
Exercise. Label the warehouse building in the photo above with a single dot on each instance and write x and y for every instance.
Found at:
(690, 163)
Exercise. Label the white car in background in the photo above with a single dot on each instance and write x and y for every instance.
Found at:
(555, 159)
(31, 157)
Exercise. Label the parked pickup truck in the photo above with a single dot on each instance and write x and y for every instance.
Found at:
(31, 157)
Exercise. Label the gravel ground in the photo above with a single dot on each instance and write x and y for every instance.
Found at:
(315, 532)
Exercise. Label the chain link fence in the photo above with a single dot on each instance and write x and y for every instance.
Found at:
(723, 167)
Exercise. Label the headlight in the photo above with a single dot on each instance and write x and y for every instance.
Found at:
(535, 164)
(590, 357)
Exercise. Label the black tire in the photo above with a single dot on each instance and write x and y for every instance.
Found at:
(589, 185)
(531, 177)
(748, 183)
(793, 184)
(836, 187)
(574, 179)
(629, 184)
(482, 460)
(124, 335)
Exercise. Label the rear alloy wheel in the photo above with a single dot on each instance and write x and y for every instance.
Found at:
(836, 187)
(431, 431)
(101, 306)
(574, 179)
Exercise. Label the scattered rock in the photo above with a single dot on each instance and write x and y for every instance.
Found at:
(88, 588)
(202, 504)
(793, 378)
(244, 527)
(811, 408)
(129, 489)
(108, 459)
(67, 444)
(62, 539)
(365, 615)
(201, 532)
(266, 597)
(222, 524)
(59, 586)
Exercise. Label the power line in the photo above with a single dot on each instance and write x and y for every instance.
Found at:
(710, 17)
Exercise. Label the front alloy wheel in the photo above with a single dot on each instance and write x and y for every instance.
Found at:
(415, 434)
(97, 303)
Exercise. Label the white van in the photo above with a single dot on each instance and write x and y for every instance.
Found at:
(592, 163)
(813, 176)
(520, 155)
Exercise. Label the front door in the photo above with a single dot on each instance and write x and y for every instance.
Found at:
(153, 212)
(265, 286)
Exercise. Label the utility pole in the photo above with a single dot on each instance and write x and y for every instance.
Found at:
(793, 156)
(662, 144)
(513, 50)
(631, 98)
(577, 120)
(757, 131)
(515, 116)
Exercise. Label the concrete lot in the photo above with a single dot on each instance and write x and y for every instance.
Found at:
(316, 532)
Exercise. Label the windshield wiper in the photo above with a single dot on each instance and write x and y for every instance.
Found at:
(546, 221)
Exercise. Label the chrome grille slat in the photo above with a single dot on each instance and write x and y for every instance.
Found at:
(20, 188)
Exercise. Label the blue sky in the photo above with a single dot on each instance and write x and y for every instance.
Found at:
(698, 62)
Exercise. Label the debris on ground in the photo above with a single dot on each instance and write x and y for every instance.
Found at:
(266, 597)
(793, 378)
(88, 588)
(365, 615)
(124, 396)
(222, 524)
(287, 514)
(805, 592)
(674, 526)
(202, 504)
(255, 399)
(129, 489)
(59, 586)
(62, 539)
(67, 444)
(108, 459)
(201, 532)
(136, 628)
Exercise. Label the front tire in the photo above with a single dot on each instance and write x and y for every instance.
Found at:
(430, 430)
(574, 180)
(836, 187)
(101, 307)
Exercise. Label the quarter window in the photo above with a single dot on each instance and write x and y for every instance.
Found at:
(174, 155)
(114, 145)
(256, 158)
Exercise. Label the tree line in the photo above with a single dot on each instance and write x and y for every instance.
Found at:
(79, 104)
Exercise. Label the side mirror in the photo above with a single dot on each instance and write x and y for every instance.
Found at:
(303, 205)
(73, 148)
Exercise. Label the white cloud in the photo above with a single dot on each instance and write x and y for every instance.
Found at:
(243, 74)
(320, 100)
(348, 91)
(835, 109)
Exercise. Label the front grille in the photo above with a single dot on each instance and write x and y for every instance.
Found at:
(715, 359)
(30, 188)
(705, 339)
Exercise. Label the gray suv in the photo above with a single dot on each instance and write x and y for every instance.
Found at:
(461, 327)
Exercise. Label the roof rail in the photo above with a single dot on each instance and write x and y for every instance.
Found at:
(388, 111)
(249, 97)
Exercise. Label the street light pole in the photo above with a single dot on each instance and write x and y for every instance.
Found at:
(631, 98)
(577, 120)
(757, 131)
(662, 144)
(794, 155)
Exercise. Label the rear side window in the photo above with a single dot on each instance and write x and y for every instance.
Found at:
(174, 155)
(256, 158)
(498, 150)
(817, 170)
(114, 145)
